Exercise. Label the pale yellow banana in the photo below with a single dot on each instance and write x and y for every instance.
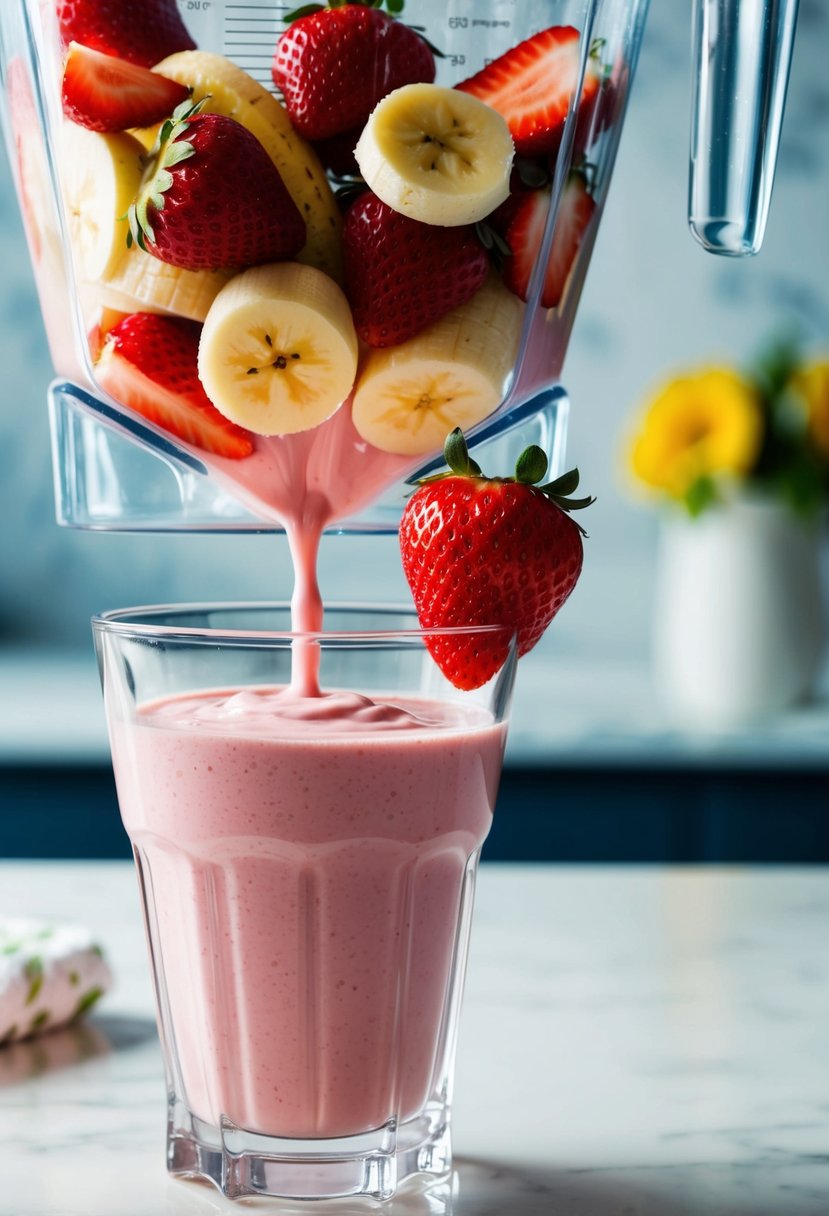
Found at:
(409, 397)
(141, 283)
(100, 176)
(278, 352)
(437, 155)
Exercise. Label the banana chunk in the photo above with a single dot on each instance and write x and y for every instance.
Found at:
(437, 155)
(100, 176)
(409, 397)
(278, 352)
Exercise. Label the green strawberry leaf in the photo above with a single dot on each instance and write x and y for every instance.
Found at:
(531, 465)
(304, 10)
(456, 455)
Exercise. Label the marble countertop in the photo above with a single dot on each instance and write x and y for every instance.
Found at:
(567, 711)
(635, 1042)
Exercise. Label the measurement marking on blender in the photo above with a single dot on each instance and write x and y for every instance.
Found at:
(250, 35)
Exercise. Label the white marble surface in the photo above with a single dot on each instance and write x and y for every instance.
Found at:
(635, 1042)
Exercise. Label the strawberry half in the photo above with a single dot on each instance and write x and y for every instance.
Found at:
(150, 364)
(141, 31)
(333, 65)
(400, 275)
(212, 198)
(525, 230)
(531, 85)
(108, 94)
(489, 551)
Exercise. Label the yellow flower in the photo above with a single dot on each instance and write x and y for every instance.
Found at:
(704, 425)
(812, 386)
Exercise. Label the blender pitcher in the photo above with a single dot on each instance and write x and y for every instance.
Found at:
(120, 467)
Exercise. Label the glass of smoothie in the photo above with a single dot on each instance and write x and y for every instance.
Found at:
(306, 813)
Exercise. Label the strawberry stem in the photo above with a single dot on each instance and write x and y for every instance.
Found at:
(531, 465)
(530, 468)
(393, 7)
(456, 455)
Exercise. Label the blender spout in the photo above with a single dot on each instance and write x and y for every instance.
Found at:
(742, 57)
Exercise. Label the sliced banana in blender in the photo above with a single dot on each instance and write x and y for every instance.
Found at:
(101, 175)
(409, 397)
(437, 155)
(278, 352)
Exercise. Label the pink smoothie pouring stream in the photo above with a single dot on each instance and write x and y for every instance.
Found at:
(307, 853)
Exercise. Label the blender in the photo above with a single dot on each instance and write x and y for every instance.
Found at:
(114, 470)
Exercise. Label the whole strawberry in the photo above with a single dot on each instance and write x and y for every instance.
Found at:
(212, 198)
(489, 551)
(142, 32)
(401, 275)
(333, 65)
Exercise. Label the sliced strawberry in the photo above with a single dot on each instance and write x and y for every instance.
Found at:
(150, 364)
(525, 233)
(531, 84)
(142, 31)
(108, 94)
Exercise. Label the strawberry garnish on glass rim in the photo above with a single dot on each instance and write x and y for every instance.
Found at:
(489, 551)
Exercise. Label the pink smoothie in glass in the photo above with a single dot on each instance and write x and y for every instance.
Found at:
(307, 858)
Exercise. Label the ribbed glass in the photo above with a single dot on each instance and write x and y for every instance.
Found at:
(307, 896)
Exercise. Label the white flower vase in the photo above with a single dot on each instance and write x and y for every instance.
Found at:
(740, 624)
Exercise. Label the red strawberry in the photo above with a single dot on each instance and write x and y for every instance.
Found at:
(337, 153)
(143, 32)
(149, 363)
(401, 275)
(531, 84)
(333, 65)
(525, 231)
(480, 551)
(602, 110)
(108, 94)
(213, 199)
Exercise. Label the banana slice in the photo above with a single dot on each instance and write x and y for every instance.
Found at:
(141, 283)
(409, 397)
(430, 154)
(100, 175)
(235, 94)
(278, 352)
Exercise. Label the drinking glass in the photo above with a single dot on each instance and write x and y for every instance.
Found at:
(307, 883)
